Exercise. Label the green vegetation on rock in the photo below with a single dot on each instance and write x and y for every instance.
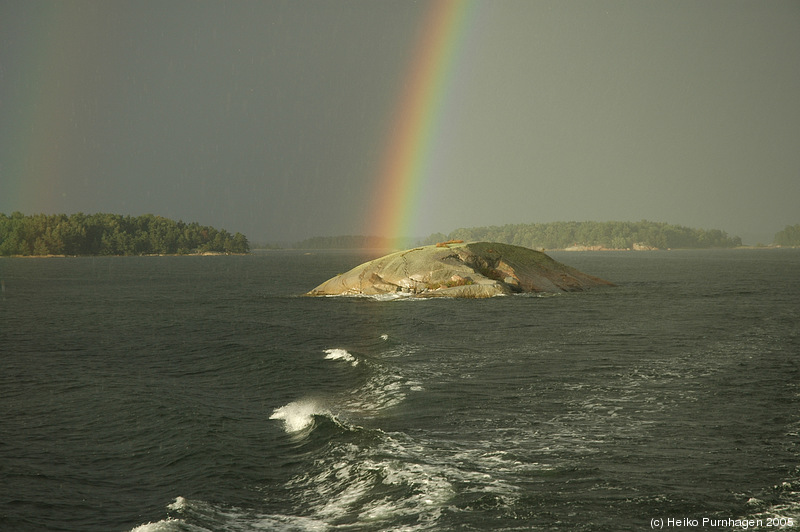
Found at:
(111, 234)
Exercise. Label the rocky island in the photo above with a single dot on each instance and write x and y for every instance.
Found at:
(458, 269)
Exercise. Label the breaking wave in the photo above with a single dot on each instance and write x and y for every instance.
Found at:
(340, 354)
(299, 415)
(200, 516)
(383, 389)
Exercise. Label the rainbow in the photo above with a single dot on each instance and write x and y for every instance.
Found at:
(32, 159)
(418, 118)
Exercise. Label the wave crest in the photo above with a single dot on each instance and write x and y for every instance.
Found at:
(299, 415)
(340, 354)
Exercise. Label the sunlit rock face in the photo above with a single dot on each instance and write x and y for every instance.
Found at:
(467, 270)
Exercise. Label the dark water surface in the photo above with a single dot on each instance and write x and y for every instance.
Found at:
(200, 393)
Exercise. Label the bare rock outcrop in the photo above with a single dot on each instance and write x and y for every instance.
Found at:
(468, 270)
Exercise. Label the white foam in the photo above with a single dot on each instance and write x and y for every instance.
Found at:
(415, 386)
(346, 487)
(166, 525)
(179, 504)
(288, 523)
(378, 297)
(208, 517)
(383, 391)
(298, 415)
(340, 354)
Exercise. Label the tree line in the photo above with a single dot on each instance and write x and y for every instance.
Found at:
(554, 235)
(789, 236)
(111, 234)
(612, 235)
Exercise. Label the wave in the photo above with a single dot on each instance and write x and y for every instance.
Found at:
(298, 416)
(378, 480)
(366, 477)
(166, 525)
(201, 516)
(354, 475)
(371, 481)
(173, 524)
(389, 481)
(340, 354)
(363, 475)
(784, 507)
(382, 390)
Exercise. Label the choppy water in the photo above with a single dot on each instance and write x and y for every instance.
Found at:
(200, 393)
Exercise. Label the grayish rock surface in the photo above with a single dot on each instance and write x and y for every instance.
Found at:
(470, 270)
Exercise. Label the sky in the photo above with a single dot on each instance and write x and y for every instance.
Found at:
(278, 119)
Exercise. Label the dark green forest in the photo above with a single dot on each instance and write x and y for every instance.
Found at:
(611, 235)
(790, 236)
(111, 234)
(554, 235)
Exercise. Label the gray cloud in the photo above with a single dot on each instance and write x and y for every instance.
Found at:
(269, 118)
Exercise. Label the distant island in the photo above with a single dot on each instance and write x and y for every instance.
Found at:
(111, 234)
(599, 235)
(789, 237)
(458, 269)
(641, 235)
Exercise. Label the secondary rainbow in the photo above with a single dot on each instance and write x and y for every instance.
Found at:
(41, 124)
(417, 119)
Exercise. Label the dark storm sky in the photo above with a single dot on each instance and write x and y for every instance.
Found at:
(270, 118)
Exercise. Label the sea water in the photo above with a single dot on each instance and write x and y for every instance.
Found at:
(204, 393)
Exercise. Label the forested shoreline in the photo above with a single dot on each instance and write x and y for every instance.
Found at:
(114, 234)
(555, 235)
(608, 235)
(789, 236)
(111, 234)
